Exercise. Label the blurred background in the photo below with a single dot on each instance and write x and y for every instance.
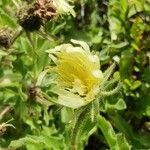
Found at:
(115, 30)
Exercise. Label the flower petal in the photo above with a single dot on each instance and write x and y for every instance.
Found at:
(69, 99)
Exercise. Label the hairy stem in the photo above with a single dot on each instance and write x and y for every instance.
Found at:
(86, 116)
(111, 92)
(78, 123)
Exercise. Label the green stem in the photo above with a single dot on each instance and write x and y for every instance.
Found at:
(111, 92)
(46, 36)
(16, 3)
(34, 56)
(16, 35)
(74, 137)
(4, 111)
(87, 113)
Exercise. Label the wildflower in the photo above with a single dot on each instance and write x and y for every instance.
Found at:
(33, 15)
(44, 9)
(78, 74)
(63, 7)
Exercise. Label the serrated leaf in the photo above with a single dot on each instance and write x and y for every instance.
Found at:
(46, 142)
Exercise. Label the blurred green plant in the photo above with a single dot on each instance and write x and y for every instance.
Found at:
(115, 29)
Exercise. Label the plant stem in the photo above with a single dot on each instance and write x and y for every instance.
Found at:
(4, 111)
(87, 115)
(73, 147)
(16, 35)
(34, 56)
(31, 42)
(79, 123)
(75, 131)
(46, 36)
(16, 3)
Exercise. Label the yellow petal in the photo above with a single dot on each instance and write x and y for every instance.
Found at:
(63, 7)
(69, 99)
(79, 74)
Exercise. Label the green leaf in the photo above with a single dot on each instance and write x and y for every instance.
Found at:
(42, 141)
(138, 141)
(146, 74)
(126, 60)
(3, 53)
(119, 105)
(135, 85)
(6, 19)
(107, 131)
(5, 2)
(113, 139)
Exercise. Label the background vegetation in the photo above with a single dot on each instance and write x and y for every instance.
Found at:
(116, 29)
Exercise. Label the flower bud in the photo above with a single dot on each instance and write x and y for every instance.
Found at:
(78, 73)
(5, 37)
(31, 17)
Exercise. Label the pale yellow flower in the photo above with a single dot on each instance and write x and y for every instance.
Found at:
(78, 73)
(63, 7)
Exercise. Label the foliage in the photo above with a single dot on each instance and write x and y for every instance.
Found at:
(117, 30)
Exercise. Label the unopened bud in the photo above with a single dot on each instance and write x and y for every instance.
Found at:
(31, 17)
(5, 37)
